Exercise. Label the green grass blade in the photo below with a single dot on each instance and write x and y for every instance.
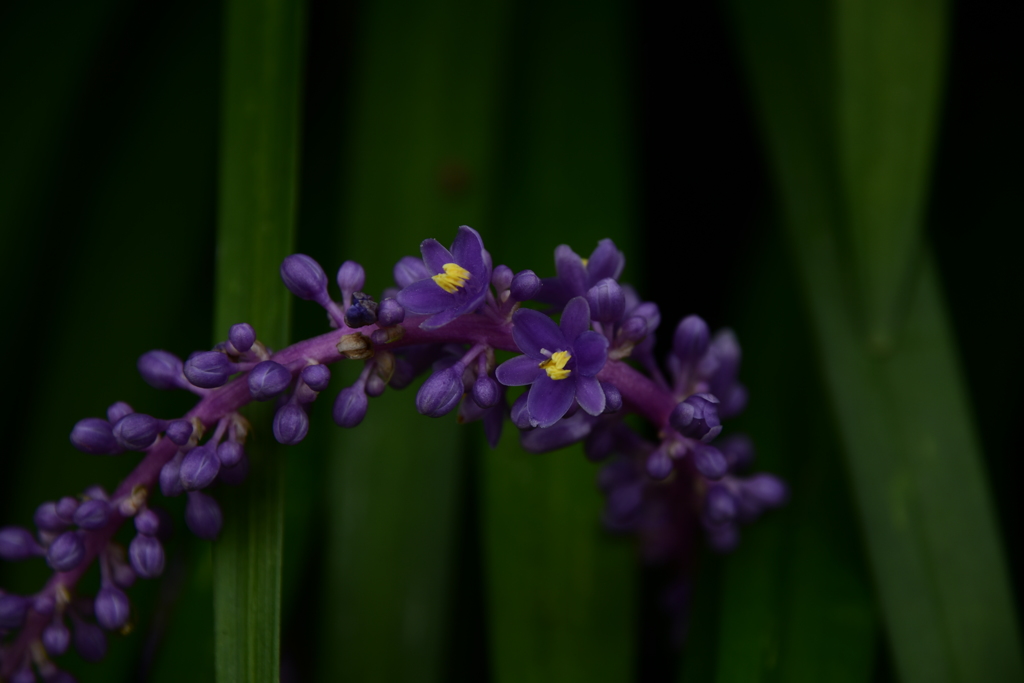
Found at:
(260, 136)
(561, 591)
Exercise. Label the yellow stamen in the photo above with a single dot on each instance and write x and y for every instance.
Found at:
(555, 366)
(585, 261)
(453, 277)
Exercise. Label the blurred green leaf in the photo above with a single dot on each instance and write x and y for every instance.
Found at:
(912, 455)
(262, 80)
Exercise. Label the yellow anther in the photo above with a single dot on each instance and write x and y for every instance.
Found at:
(585, 261)
(453, 277)
(555, 366)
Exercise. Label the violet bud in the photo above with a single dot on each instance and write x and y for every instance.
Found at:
(46, 518)
(304, 278)
(501, 278)
(66, 552)
(390, 312)
(690, 340)
(170, 477)
(26, 676)
(56, 638)
(599, 444)
(350, 406)
(112, 608)
(147, 522)
(118, 410)
(697, 417)
(203, 516)
(765, 490)
(409, 270)
(147, 556)
(525, 285)
(92, 514)
(242, 336)
(95, 436)
(179, 431)
(230, 453)
(122, 574)
(160, 369)
(12, 611)
(486, 392)
(290, 424)
(268, 379)
(719, 505)
(45, 604)
(362, 312)
(208, 369)
(138, 431)
(607, 301)
(236, 474)
(709, 461)
(659, 464)
(634, 329)
(375, 386)
(519, 413)
(648, 311)
(351, 277)
(612, 398)
(738, 450)
(65, 509)
(316, 377)
(442, 391)
(17, 543)
(199, 468)
(90, 641)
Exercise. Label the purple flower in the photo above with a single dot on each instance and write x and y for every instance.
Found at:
(576, 275)
(560, 362)
(459, 284)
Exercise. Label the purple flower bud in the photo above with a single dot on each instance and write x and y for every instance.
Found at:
(659, 464)
(208, 369)
(525, 285)
(90, 641)
(92, 514)
(316, 377)
(441, 393)
(362, 312)
(230, 453)
(66, 552)
(607, 301)
(350, 406)
(351, 277)
(563, 433)
(112, 608)
(26, 676)
(409, 270)
(501, 278)
(690, 341)
(697, 417)
(12, 611)
(203, 516)
(147, 522)
(519, 413)
(375, 386)
(709, 461)
(738, 450)
(236, 474)
(390, 312)
(170, 477)
(290, 424)
(486, 392)
(65, 508)
(118, 410)
(138, 431)
(95, 436)
(179, 431)
(268, 379)
(47, 519)
(723, 538)
(147, 556)
(242, 336)
(160, 369)
(122, 574)
(719, 505)
(612, 398)
(199, 468)
(45, 604)
(634, 329)
(17, 543)
(765, 490)
(56, 638)
(304, 278)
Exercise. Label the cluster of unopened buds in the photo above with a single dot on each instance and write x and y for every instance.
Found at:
(448, 315)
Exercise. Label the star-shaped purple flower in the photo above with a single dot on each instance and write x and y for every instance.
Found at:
(459, 284)
(576, 275)
(560, 362)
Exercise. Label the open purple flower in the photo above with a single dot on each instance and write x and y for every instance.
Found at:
(576, 275)
(459, 285)
(560, 362)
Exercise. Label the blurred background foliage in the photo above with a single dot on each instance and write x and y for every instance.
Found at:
(411, 551)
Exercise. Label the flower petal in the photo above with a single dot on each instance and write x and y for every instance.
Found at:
(575, 318)
(435, 256)
(591, 352)
(408, 270)
(605, 261)
(518, 371)
(441, 319)
(425, 297)
(468, 252)
(533, 331)
(589, 394)
(549, 400)
(571, 270)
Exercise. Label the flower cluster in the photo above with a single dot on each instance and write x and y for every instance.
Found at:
(447, 317)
